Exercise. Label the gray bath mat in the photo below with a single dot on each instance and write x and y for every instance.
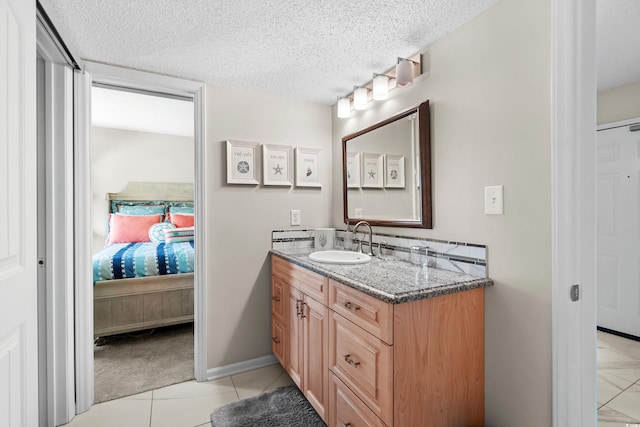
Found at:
(285, 406)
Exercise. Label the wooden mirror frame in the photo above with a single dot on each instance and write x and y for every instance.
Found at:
(424, 143)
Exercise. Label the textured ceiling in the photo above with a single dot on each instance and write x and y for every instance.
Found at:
(310, 50)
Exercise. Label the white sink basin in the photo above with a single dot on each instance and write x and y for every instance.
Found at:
(339, 257)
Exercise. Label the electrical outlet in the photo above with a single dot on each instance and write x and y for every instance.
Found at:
(295, 216)
(494, 200)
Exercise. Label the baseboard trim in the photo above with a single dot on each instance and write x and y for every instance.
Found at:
(237, 368)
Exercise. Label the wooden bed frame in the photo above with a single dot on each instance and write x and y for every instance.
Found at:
(127, 305)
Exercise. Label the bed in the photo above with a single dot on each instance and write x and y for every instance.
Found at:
(143, 285)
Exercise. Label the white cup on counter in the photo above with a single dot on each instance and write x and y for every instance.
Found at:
(323, 238)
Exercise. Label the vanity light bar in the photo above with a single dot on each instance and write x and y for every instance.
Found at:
(406, 69)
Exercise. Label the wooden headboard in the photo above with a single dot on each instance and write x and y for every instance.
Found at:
(148, 191)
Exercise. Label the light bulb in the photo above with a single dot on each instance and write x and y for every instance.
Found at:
(380, 87)
(404, 73)
(360, 98)
(344, 108)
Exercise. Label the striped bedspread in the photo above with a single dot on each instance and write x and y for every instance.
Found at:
(127, 260)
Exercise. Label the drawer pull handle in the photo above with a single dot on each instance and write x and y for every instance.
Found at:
(346, 425)
(302, 315)
(275, 298)
(275, 340)
(350, 361)
(298, 313)
(349, 306)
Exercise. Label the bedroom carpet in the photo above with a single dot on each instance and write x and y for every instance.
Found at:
(132, 363)
(285, 406)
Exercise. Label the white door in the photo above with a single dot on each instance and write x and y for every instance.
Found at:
(18, 260)
(618, 230)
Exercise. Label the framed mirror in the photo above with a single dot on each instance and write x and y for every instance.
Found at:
(386, 171)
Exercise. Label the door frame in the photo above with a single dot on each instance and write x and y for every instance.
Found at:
(573, 234)
(573, 185)
(148, 82)
(55, 232)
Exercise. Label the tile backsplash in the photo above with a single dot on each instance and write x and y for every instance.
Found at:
(460, 257)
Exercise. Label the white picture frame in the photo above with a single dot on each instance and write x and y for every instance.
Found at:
(277, 165)
(394, 171)
(307, 167)
(372, 170)
(242, 162)
(353, 170)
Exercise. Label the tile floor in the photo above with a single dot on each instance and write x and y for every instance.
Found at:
(186, 404)
(618, 381)
(189, 404)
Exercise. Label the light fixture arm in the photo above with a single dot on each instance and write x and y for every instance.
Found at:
(406, 59)
(398, 76)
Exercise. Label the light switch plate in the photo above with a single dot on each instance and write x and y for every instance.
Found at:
(494, 200)
(295, 216)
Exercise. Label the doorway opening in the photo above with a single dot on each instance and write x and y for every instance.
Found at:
(618, 245)
(142, 175)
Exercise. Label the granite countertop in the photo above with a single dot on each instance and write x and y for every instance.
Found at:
(389, 280)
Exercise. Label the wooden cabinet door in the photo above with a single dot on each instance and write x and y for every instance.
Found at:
(316, 355)
(279, 299)
(295, 350)
(279, 341)
(364, 363)
(346, 409)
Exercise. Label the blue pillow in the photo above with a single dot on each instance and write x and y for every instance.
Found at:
(141, 210)
(181, 209)
(156, 231)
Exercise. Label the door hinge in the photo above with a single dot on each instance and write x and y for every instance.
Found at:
(41, 262)
(575, 292)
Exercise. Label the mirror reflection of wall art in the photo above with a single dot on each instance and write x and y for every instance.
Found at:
(308, 167)
(242, 162)
(353, 170)
(372, 170)
(393, 171)
(277, 161)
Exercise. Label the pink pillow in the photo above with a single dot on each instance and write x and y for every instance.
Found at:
(180, 220)
(130, 228)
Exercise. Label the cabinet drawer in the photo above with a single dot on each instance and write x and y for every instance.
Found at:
(371, 314)
(312, 284)
(364, 363)
(345, 409)
(279, 340)
(279, 298)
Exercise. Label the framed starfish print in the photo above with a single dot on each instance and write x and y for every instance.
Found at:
(242, 162)
(372, 170)
(308, 167)
(277, 165)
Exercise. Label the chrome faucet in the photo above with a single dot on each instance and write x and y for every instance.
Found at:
(355, 231)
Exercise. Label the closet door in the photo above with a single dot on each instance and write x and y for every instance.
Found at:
(618, 230)
(18, 219)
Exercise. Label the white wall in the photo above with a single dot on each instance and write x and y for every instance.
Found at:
(489, 87)
(619, 103)
(240, 218)
(122, 156)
